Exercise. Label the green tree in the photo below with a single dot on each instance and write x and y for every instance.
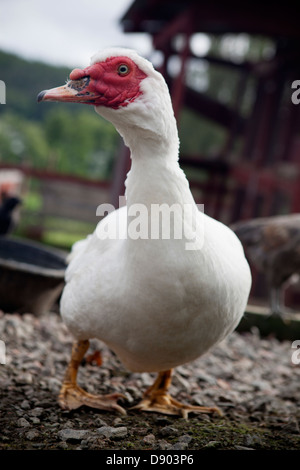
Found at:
(77, 139)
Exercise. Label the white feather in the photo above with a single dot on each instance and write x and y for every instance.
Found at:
(155, 303)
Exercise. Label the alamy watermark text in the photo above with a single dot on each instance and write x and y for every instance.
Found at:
(296, 354)
(2, 92)
(155, 222)
(296, 94)
(2, 352)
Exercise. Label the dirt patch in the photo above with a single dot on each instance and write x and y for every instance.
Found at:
(252, 380)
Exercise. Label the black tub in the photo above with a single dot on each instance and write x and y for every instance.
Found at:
(31, 276)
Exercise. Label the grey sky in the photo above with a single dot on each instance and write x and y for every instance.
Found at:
(65, 32)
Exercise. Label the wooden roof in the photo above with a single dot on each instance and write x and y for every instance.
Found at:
(216, 17)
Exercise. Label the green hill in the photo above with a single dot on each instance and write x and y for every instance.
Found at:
(66, 137)
(24, 80)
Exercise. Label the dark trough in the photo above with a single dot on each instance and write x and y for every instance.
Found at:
(31, 276)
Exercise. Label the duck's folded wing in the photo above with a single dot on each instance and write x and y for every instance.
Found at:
(109, 230)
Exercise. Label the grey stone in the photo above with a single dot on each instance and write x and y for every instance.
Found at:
(212, 445)
(149, 439)
(185, 438)
(32, 435)
(25, 405)
(23, 423)
(100, 422)
(63, 445)
(243, 448)
(113, 433)
(252, 439)
(117, 421)
(72, 435)
(24, 379)
(54, 385)
(180, 445)
(169, 431)
(37, 412)
(164, 445)
(35, 420)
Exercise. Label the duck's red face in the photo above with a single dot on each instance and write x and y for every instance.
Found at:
(113, 83)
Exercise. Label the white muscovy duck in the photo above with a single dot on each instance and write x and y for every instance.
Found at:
(157, 302)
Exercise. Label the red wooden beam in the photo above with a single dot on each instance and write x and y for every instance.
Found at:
(213, 110)
(215, 60)
(183, 23)
(217, 17)
(266, 179)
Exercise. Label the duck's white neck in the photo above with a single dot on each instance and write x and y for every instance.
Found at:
(155, 176)
(149, 129)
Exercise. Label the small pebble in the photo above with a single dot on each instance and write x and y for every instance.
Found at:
(72, 435)
(164, 445)
(185, 438)
(99, 422)
(25, 405)
(35, 420)
(24, 379)
(180, 446)
(212, 445)
(252, 439)
(168, 431)
(23, 423)
(243, 448)
(63, 445)
(149, 439)
(37, 412)
(53, 384)
(117, 421)
(112, 433)
(32, 435)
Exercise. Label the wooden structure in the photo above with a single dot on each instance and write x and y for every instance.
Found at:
(61, 197)
(256, 172)
(262, 177)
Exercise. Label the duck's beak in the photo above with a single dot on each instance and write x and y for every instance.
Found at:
(75, 91)
(61, 93)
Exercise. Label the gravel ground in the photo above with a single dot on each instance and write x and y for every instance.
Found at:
(252, 380)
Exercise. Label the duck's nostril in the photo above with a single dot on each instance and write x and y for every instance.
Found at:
(79, 84)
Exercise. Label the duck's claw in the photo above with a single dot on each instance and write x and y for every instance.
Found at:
(164, 403)
(157, 399)
(72, 397)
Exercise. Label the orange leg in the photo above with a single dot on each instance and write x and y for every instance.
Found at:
(157, 399)
(72, 396)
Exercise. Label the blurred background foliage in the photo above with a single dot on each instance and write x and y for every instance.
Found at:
(65, 138)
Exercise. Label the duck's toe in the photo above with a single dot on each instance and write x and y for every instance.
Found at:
(72, 397)
(158, 400)
(164, 403)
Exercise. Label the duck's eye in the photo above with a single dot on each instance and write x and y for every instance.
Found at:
(123, 69)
